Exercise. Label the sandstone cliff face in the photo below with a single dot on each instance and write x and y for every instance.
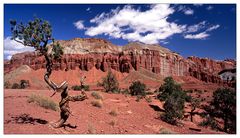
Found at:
(88, 53)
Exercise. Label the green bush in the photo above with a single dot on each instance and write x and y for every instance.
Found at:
(137, 88)
(110, 83)
(16, 86)
(167, 88)
(79, 88)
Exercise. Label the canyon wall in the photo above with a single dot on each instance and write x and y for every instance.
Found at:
(86, 54)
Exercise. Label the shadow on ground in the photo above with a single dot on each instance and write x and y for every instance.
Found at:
(25, 119)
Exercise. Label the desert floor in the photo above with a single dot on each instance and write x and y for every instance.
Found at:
(21, 117)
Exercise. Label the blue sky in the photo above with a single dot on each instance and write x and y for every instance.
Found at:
(191, 30)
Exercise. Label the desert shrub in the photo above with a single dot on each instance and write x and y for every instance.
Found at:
(7, 85)
(16, 86)
(167, 88)
(43, 102)
(79, 88)
(174, 107)
(110, 83)
(209, 122)
(24, 84)
(148, 99)
(97, 103)
(125, 91)
(97, 95)
(165, 131)
(188, 98)
(137, 88)
(114, 112)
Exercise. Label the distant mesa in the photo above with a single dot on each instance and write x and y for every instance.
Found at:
(88, 53)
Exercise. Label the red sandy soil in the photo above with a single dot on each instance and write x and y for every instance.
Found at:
(133, 118)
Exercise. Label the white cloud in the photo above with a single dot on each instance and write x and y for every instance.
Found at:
(189, 12)
(185, 10)
(202, 26)
(201, 36)
(12, 47)
(131, 24)
(209, 8)
(196, 27)
(213, 27)
(79, 25)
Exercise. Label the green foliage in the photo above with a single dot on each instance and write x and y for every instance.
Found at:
(79, 88)
(174, 107)
(57, 51)
(36, 33)
(43, 102)
(168, 88)
(110, 83)
(16, 86)
(209, 122)
(137, 88)
(224, 107)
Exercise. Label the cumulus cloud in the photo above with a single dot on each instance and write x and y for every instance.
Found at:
(12, 47)
(147, 26)
(186, 10)
(79, 25)
(201, 36)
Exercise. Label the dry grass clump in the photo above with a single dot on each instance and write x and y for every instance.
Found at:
(43, 102)
(97, 95)
(148, 99)
(97, 103)
(91, 129)
(165, 131)
(113, 122)
(114, 112)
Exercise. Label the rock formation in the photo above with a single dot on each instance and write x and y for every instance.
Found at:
(101, 54)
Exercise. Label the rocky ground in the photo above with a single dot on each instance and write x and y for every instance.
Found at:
(21, 117)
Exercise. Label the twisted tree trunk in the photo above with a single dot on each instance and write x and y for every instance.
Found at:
(63, 89)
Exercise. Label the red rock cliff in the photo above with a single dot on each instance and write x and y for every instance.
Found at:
(101, 54)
